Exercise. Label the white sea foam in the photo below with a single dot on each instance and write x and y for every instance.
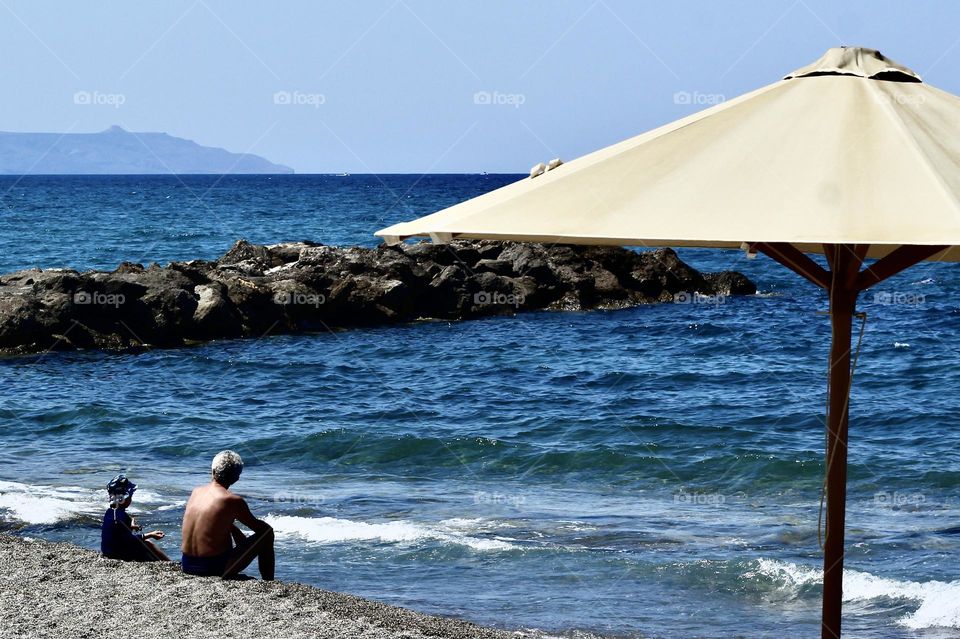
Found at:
(329, 530)
(144, 497)
(172, 506)
(50, 504)
(939, 600)
(46, 504)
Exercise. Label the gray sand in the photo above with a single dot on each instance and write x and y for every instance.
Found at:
(60, 590)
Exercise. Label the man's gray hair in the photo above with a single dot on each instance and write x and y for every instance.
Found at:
(226, 467)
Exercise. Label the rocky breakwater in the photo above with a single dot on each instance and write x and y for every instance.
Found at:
(255, 290)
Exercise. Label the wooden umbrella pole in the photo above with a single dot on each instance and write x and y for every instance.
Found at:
(843, 299)
(844, 282)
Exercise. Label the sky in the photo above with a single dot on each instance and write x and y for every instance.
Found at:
(427, 86)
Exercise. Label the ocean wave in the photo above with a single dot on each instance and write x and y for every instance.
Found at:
(330, 530)
(46, 504)
(41, 505)
(939, 600)
(617, 454)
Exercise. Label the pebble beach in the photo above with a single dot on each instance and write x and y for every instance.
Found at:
(60, 590)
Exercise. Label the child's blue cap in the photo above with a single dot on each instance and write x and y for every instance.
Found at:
(120, 488)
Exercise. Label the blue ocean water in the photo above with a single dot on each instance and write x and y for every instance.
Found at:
(652, 472)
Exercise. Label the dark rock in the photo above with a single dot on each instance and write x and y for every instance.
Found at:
(730, 283)
(534, 267)
(500, 267)
(253, 290)
(259, 312)
(215, 314)
(287, 253)
(196, 271)
(171, 315)
(533, 294)
(245, 252)
(376, 299)
(425, 251)
(301, 305)
(463, 252)
(128, 267)
(20, 322)
(489, 249)
(606, 284)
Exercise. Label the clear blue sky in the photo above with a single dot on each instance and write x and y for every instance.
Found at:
(392, 85)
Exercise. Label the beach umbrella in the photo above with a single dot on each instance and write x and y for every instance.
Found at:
(852, 157)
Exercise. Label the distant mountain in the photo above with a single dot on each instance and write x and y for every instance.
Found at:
(119, 151)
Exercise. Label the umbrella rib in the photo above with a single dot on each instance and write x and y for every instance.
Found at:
(897, 260)
(790, 256)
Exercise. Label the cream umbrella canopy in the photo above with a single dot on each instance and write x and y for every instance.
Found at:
(852, 157)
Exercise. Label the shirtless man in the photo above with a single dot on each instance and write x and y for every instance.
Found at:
(209, 531)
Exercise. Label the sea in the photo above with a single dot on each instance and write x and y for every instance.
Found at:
(647, 472)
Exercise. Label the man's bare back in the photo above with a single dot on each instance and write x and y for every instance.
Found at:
(209, 520)
(213, 545)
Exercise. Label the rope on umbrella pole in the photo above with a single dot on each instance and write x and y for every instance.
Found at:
(821, 534)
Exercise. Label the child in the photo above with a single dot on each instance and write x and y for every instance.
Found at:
(119, 536)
